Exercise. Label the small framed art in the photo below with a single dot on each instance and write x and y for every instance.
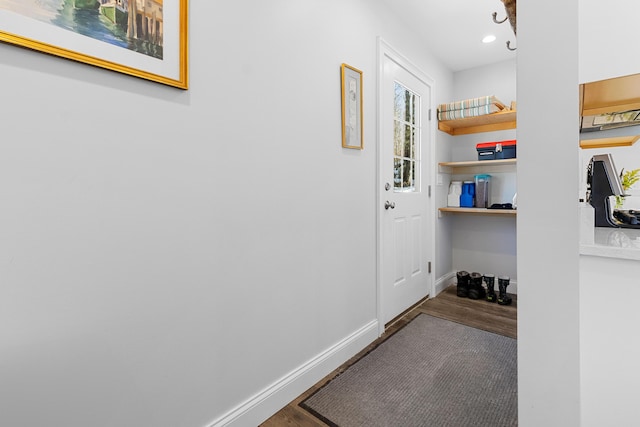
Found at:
(352, 126)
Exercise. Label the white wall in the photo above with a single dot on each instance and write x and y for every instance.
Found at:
(176, 258)
(606, 29)
(548, 235)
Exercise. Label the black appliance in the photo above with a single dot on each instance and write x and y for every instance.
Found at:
(603, 181)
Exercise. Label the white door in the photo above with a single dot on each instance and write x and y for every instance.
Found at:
(405, 239)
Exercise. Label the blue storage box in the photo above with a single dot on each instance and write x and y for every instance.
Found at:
(497, 150)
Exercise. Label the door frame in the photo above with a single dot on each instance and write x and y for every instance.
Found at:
(385, 50)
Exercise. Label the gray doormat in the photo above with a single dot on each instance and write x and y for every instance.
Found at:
(432, 372)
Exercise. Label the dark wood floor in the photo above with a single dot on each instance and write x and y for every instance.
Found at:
(476, 313)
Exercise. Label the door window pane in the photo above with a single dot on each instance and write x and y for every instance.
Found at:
(406, 133)
(398, 137)
(405, 104)
(397, 173)
(408, 169)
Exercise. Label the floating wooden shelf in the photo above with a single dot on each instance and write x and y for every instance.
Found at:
(487, 123)
(619, 141)
(610, 96)
(480, 163)
(479, 211)
(477, 166)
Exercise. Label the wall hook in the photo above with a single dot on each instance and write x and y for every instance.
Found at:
(495, 18)
(509, 46)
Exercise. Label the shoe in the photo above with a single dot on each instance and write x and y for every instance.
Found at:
(503, 298)
(489, 279)
(476, 291)
(462, 289)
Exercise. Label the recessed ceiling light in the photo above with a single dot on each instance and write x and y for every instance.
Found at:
(489, 39)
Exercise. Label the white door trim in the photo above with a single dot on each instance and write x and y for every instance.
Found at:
(386, 50)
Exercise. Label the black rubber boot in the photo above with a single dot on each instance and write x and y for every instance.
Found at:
(476, 291)
(462, 289)
(490, 279)
(503, 298)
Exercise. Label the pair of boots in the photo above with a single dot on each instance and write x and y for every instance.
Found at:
(470, 286)
(503, 282)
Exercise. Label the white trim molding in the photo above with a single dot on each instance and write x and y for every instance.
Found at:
(443, 282)
(270, 400)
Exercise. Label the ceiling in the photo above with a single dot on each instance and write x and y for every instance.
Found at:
(453, 30)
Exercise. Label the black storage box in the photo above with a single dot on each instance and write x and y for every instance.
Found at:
(497, 150)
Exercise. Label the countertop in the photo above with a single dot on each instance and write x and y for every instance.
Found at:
(622, 243)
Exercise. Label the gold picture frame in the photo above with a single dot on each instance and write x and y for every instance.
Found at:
(352, 116)
(150, 43)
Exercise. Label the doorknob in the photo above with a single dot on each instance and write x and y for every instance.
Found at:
(389, 204)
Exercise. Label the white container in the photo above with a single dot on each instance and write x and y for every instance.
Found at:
(455, 189)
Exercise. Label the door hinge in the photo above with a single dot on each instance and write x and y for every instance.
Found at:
(429, 188)
(429, 267)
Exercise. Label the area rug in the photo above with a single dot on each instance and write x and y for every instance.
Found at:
(432, 372)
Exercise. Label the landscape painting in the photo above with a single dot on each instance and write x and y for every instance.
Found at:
(146, 38)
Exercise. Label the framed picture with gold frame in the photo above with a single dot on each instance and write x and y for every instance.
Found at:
(352, 125)
(142, 38)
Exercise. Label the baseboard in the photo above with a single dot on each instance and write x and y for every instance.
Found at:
(273, 398)
(450, 279)
(444, 282)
